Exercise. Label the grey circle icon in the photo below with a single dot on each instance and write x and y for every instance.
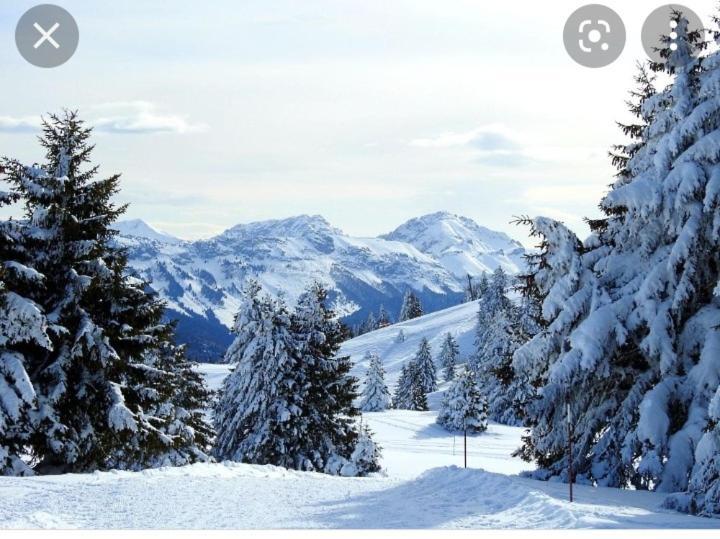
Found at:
(659, 31)
(594, 35)
(47, 35)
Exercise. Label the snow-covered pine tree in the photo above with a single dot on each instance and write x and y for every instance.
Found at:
(289, 401)
(494, 372)
(471, 293)
(383, 319)
(93, 397)
(463, 407)
(560, 275)
(406, 396)
(448, 358)
(424, 367)
(629, 343)
(258, 415)
(418, 398)
(492, 301)
(375, 395)
(401, 396)
(400, 338)
(23, 331)
(331, 435)
(370, 324)
(411, 307)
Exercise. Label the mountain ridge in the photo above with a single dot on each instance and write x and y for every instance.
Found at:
(201, 281)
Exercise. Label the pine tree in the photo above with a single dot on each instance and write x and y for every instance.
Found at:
(258, 416)
(411, 307)
(494, 372)
(370, 324)
(401, 397)
(331, 434)
(289, 401)
(424, 368)
(448, 358)
(400, 338)
(23, 331)
(463, 407)
(418, 398)
(632, 326)
(92, 390)
(383, 319)
(492, 301)
(375, 395)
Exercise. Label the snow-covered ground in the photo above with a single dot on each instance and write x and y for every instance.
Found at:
(423, 484)
(460, 321)
(422, 489)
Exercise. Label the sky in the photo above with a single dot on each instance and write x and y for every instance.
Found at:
(366, 112)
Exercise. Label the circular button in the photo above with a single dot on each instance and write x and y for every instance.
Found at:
(659, 31)
(47, 35)
(594, 35)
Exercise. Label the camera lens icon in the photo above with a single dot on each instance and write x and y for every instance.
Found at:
(594, 35)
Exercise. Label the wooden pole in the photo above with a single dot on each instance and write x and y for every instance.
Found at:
(465, 443)
(570, 451)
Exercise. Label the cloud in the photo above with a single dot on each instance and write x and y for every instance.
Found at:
(134, 117)
(487, 138)
(23, 124)
(139, 117)
(491, 145)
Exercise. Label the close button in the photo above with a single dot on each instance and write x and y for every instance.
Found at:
(47, 35)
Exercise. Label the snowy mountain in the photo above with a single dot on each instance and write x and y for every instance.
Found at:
(460, 244)
(201, 281)
(140, 229)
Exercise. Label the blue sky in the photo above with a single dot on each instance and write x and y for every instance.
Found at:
(367, 112)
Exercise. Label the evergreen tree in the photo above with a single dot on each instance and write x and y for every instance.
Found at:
(400, 336)
(424, 368)
(92, 388)
(401, 397)
(494, 372)
(632, 320)
(411, 307)
(471, 293)
(332, 435)
(449, 354)
(463, 407)
(383, 319)
(375, 395)
(258, 416)
(370, 324)
(418, 398)
(23, 331)
(289, 401)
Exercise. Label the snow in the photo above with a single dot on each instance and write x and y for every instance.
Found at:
(140, 229)
(460, 321)
(425, 487)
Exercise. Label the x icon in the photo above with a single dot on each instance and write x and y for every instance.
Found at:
(46, 36)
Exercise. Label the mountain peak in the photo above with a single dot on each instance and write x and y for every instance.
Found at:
(460, 243)
(296, 226)
(140, 229)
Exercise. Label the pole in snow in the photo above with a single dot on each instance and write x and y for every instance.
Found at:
(465, 439)
(570, 451)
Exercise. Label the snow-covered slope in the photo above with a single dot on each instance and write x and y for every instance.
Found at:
(140, 229)
(425, 487)
(461, 245)
(460, 321)
(201, 281)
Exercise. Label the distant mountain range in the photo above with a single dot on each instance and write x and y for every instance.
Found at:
(201, 281)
